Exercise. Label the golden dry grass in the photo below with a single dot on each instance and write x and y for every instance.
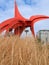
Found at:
(26, 51)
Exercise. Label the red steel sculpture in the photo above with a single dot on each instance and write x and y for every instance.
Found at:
(19, 23)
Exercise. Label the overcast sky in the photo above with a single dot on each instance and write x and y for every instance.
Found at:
(27, 8)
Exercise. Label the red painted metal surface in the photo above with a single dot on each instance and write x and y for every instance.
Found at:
(19, 23)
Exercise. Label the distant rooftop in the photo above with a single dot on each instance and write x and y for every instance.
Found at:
(43, 30)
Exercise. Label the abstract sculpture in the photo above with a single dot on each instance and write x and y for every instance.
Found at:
(19, 23)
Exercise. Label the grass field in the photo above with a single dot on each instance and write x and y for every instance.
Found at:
(24, 51)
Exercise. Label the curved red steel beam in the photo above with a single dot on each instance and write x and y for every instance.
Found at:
(35, 19)
(6, 22)
(17, 13)
(9, 24)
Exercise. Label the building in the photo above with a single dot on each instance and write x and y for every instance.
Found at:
(43, 35)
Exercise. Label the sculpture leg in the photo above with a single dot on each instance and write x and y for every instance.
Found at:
(32, 30)
(8, 32)
(18, 31)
